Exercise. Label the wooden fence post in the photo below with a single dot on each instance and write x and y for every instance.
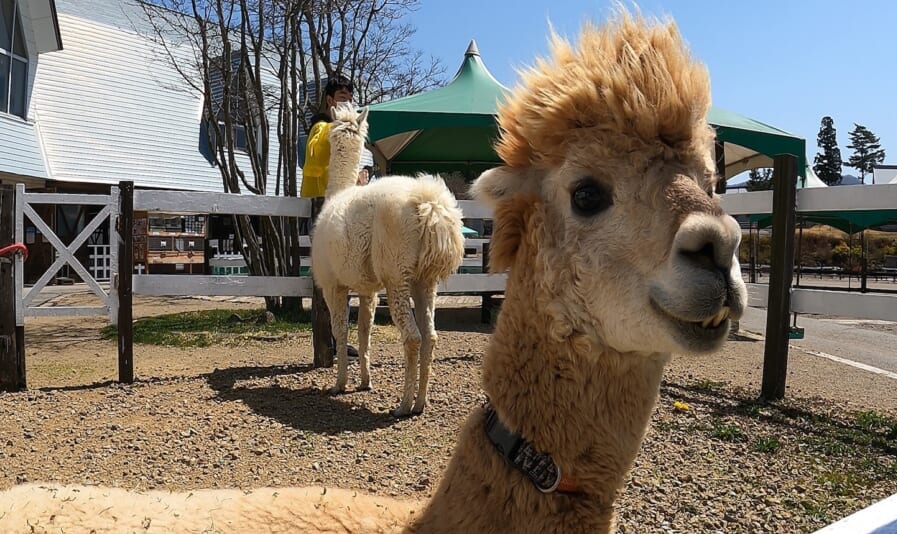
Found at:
(778, 311)
(12, 361)
(321, 332)
(486, 298)
(125, 293)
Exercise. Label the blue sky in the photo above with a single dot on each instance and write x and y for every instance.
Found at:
(787, 62)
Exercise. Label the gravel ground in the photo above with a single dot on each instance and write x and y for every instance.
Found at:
(253, 413)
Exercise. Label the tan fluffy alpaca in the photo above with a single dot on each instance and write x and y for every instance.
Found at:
(618, 255)
(398, 233)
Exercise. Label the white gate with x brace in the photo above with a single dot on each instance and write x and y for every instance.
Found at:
(66, 254)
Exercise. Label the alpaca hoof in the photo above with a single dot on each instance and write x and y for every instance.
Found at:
(400, 412)
(337, 390)
(417, 410)
(365, 386)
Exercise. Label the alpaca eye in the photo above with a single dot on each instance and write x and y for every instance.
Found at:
(590, 198)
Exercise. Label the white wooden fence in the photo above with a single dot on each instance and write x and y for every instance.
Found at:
(860, 306)
(269, 286)
(850, 198)
(65, 254)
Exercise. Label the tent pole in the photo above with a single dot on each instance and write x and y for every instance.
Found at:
(863, 261)
(800, 239)
(753, 244)
(849, 255)
(720, 153)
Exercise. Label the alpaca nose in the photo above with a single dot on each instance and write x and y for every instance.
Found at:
(707, 241)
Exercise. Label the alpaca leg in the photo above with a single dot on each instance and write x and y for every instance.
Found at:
(403, 318)
(335, 298)
(424, 315)
(365, 321)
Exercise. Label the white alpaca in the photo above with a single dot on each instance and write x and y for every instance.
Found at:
(398, 233)
(617, 253)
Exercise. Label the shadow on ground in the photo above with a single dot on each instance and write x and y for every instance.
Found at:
(309, 409)
(878, 433)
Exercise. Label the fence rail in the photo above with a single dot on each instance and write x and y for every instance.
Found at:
(117, 207)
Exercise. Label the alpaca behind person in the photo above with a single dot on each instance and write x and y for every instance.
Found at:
(398, 233)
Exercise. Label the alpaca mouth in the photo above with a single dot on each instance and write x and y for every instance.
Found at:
(716, 320)
(699, 335)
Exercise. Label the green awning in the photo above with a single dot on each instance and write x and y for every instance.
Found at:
(751, 144)
(453, 128)
(846, 220)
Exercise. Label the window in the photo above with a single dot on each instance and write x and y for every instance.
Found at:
(241, 140)
(13, 60)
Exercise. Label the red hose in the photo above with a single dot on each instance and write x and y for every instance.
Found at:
(13, 248)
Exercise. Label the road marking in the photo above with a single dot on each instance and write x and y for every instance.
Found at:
(845, 361)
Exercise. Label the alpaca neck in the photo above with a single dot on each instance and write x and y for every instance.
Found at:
(588, 409)
(587, 406)
(342, 175)
(342, 170)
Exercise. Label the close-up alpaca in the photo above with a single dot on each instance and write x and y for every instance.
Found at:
(617, 253)
(399, 233)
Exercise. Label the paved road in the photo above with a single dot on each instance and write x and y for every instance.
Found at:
(875, 345)
(841, 338)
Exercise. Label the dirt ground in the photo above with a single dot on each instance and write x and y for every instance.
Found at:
(254, 413)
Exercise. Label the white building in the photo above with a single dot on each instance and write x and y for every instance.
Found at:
(884, 174)
(28, 32)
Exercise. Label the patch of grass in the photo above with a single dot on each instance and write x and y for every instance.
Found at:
(871, 420)
(207, 328)
(815, 511)
(829, 446)
(768, 444)
(842, 483)
(727, 431)
(709, 385)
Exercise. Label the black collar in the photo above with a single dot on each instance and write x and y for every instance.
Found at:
(539, 467)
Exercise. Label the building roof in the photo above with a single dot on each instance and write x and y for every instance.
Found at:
(111, 107)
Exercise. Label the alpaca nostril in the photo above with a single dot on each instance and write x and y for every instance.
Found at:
(703, 257)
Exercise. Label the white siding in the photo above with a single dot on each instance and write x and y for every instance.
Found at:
(108, 112)
(111, 107)
(19, 150)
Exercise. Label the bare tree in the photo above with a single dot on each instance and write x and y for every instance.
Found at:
(260, 61)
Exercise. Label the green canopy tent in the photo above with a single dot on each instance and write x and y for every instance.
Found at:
(451, 128)
(750, 144)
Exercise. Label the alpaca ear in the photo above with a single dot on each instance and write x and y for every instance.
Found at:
(363, 116)
(512, 194)
(502, 183)
(333, 112)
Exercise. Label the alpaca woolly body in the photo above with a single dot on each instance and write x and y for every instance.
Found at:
(53, 508)
(398, 233)
(375, 236)
(618, 255)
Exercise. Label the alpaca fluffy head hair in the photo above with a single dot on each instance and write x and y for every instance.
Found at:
(347, 122)
(629, 86)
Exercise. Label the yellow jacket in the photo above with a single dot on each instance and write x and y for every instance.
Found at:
(317, 160)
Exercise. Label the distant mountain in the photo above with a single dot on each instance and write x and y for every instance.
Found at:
(849, 179)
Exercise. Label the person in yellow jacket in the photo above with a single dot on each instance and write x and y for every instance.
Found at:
(317, 157)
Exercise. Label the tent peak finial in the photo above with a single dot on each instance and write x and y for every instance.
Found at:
(472, 49)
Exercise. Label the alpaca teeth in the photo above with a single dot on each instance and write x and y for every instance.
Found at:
(721, 316)
(715, 321)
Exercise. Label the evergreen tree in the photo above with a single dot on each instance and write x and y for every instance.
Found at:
(827, 163)
(867, 150)
(759, 180)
